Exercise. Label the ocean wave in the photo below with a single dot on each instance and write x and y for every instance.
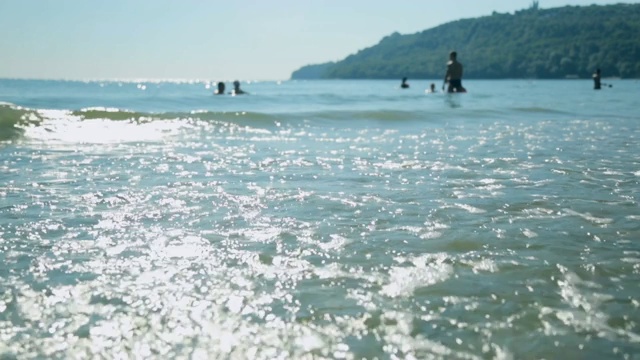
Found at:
(537, 109)
(253, 117)
(136, 116)
(13, 120)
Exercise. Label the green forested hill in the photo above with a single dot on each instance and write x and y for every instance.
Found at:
(571, 41)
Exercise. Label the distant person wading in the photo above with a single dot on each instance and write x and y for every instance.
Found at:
(454, 74)
(596, 80)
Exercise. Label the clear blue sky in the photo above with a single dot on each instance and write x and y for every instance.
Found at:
(211, 39)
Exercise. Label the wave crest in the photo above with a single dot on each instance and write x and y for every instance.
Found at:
(13, 120)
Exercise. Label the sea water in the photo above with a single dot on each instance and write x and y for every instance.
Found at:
(319, 219)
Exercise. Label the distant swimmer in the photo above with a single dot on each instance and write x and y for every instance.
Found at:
(220, 90)
(597, 85)
(432, 89)
(404, 84)
(236, 89)
(454, 74)
(596, 80)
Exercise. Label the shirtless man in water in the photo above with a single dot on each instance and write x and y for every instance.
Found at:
(454, 74)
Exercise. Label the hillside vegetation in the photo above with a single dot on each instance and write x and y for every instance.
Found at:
(570, 41)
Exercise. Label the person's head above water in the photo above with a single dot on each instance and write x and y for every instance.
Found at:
(236, 88)
(221, 87)
(453, 55)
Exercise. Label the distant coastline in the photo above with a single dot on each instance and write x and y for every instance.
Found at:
(557, 43)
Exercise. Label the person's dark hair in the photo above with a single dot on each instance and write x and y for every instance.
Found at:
(453, 54)
(220, 88)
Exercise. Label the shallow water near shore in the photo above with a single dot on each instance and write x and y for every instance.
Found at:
(319, 219)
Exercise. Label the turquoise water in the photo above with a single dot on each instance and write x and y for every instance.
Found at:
(328, 219)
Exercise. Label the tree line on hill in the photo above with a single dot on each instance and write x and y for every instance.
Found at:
(566, 42)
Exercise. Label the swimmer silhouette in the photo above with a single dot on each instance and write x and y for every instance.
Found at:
(220, 90)
(236, 89)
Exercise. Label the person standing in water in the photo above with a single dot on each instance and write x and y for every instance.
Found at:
(404, 84)
(454, 74)
(596, 80)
